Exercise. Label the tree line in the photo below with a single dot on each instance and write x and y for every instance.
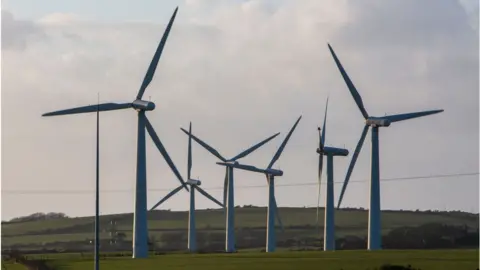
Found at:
(426, 236)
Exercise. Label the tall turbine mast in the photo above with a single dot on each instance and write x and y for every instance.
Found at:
(194, 185)
(330, 152)
(374, 222)
(228, 184)
(270, 175)
(140, 230)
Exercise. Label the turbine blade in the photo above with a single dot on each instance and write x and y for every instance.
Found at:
(189, 151)
(406, 116)
(320, 162)
(352, 163)
(204, 193)
(225, 187)
(163, 151)
(156, 57)
(324, 125)
(206, 146)
(351, 87)
(255, 147)
(91, 108)
(173, 192)
(320, 138)
(282, 146)
(320, 170)
(243, 167)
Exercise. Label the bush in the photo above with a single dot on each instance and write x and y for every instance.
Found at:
(396, 267)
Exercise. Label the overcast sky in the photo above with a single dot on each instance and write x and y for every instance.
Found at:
(240, 71)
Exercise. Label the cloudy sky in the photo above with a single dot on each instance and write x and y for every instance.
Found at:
(240, 71)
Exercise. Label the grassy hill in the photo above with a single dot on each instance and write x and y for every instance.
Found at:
(298, 222)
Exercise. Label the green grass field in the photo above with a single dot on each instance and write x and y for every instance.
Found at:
(353, 222)
(346, 260)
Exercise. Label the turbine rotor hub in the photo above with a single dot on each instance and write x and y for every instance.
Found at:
(232, 162)
(194, 182)
(378, 122)
(143, 105)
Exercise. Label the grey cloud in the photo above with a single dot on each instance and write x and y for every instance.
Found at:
(435, 35)
(471, 8)
(241, 76)
(407, 23)
(16, 33)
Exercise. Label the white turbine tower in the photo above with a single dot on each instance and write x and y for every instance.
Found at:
(270, 174)
(228, 185)
(374, 222)
(194, 185)
(140, 229)
(330, 152)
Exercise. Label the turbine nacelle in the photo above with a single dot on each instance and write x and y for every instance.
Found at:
(333, 151)
(194, 182)
(237, 165)
(377, 122)
(230, 162)
(143, 105)
(274, 172)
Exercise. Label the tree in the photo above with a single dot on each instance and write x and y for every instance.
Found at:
(39, 216)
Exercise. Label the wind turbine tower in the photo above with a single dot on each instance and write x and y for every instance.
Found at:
(140, 230)
(228, 184)
(270, 175)
(374, 222)
(194, 185)
(330, 152)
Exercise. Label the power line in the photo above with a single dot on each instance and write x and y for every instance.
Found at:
(18, 191)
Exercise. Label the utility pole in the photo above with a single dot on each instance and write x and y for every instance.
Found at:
(97, 195)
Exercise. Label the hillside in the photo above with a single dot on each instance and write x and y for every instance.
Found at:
(298, 222)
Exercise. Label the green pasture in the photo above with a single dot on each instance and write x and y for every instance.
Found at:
(346, 260)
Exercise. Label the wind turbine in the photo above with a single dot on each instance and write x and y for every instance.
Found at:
(270, 174)
(374, 223)
(195, 185)
(140, 234)
(330, 152)
(228, 195)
